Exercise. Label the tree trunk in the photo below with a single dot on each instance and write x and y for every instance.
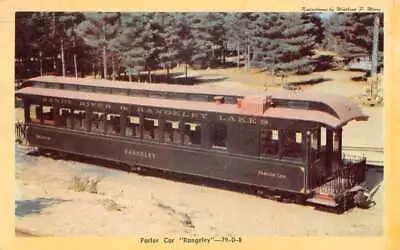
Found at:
(104, 62)
(138, 76)
(223, 53)
(167, 74)
(53, 34)
(186, 66)
(53, 25)
(75, 57)
(149, 74)
(238, 56)
(54, 64)
(375, 42)
(75, 66)
(130, 76)
(113, 67)
(40, 63)
(248, 58)
(62, 57)
(93, 71)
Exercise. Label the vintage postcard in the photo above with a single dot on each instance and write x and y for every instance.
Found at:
(200, 127)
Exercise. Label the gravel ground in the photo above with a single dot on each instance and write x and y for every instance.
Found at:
(131, 204)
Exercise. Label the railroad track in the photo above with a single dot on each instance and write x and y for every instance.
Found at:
(375, 164)
(371, 163)
(363, 149)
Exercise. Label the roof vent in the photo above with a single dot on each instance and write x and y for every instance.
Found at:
(219, 99)
(254, 105)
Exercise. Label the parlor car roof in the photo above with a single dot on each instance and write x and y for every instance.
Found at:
(196, 89)
(344, 110)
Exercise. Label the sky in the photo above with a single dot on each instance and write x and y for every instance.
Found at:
(325, 15)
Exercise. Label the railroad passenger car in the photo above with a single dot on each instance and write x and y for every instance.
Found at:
(284, 142)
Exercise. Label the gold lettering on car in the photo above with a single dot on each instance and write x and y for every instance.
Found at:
(240, 119)
(141, 154)
(271, 174)
(42, 137)
(264, 122)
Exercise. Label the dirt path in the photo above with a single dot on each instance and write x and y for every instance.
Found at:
(130, 204)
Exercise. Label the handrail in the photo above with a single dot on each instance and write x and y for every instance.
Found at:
(21, 132)
(351, 173)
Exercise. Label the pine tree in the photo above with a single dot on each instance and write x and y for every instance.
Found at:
(169, 52)
(130, 43)
(202, 39)
(354, 32)
(25, 32)
(41, 41)
(152, 42)
(286, 42)
(241, 32)
(98, 30)
(215, 26)
(68, 24)
(232, 34)
(186, 43)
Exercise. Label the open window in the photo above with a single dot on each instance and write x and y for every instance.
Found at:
(151, 129)
(48, 115)
(98, 122)
(70, 87)
(35, 113)
(41, 114)
(172, 132)
(177, 96)
(85, 88)
(65, 117)
(269, 141)
(323, 137)
(292, 144)
(219, 136)
(192, 133)
(132, 128)
(113, 124)
(79, 121)
(198, 97)
(314, 145)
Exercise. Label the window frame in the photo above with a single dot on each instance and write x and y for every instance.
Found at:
(213, 132)
(187, 136)
(156, 129)
(274, 142)
(138, 134)
(109, 125)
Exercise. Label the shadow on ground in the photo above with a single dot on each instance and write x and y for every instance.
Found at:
(374, 177)
(193, 80)
(36, 206)
(309, 82)
(177, 78)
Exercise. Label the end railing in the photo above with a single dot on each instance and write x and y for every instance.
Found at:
(21, 132)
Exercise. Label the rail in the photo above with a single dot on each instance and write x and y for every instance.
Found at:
(351, 173)
(21, 130)
(363, 149)
(370, 162)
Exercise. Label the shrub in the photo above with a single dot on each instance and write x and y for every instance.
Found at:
(85, 184)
